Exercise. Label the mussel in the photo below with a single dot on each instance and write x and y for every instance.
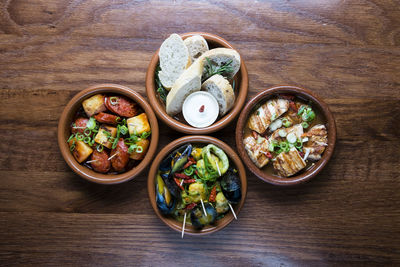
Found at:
(165, 202)
(171, 185)
(199, 219)
(175, 160)
(231, 186)
(171, 164)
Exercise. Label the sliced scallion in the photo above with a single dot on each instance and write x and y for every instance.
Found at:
(113, 100)
(139, 149)
(99, 148)
(70, 138)
(304, 125)
(91, 124)
(87, 139)
(87, 132)
(286, 122)
(79, 137)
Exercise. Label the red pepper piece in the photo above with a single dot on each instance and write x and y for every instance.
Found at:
(179, 184)
(182, 176)
(268, 155)
(301, 154)
(190, 206)
(187, 164)
(213, 194)
(292, 106)
(196, 172)
(189, 181)
(192, 160)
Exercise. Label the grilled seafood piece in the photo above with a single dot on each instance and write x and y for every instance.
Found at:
(317, 141)
(260, 120)
(289, 163)
(257, 150)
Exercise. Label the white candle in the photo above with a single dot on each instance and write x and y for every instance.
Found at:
(200, 109)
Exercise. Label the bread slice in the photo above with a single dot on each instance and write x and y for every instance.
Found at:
(174, 59)
(189, 82)
(219, 56)
(222, 90)
(197, 45)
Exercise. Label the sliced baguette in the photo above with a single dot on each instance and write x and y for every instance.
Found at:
(221, 55)
(189, 82)
(174, 59)
(197, 45)
(222, 90)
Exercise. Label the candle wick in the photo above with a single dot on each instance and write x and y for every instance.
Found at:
(201, 108)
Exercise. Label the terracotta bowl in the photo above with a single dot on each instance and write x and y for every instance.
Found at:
(64, 132)
(242, 82)
(319, 165)
(196, 139)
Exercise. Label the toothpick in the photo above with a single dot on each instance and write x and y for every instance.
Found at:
(113, 155)
(204, 209)
(233, 212)
(182, 182)
(183, 226)
(219, 172)
(90, 161)
(79, 127)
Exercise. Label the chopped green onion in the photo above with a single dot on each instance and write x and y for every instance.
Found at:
(91, 143)
(301, 109)
(291, 137)
(100, 148)
(131, 148)
(107, 133)
(70, 138)
(117, 120)
(298, 144)
(91, 123)
(304, 125)
(286, 122)
(79, 137)
(145, 135)
(139, 149)
(113, 100)
(282, 133)
(87, 132)
(284, 146)
(72, 147)
(87, 139)
(271, 147)
(308, 115)
(132, 139)
(124, 129)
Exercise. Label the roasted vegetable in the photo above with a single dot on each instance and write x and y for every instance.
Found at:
(138, 124)
(94, 105)
(80, 150)
(105, 134)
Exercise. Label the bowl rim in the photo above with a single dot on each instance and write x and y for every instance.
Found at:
(186, 128)
(63, 126)
(189, 230)
(307, 175)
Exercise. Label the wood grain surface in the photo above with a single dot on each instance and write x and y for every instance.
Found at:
(345, 51)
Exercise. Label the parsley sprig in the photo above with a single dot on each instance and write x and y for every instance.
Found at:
(225, 69)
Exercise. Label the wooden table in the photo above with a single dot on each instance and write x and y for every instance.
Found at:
(345, 51)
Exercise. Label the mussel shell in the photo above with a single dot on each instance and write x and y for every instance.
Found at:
(231, 186)
(182, 159)
(163, 206)
(165, 164)
(198, 218)
(171, 185)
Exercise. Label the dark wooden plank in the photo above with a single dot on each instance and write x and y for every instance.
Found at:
(109, 239)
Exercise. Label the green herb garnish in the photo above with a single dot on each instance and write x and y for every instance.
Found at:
(225, 69)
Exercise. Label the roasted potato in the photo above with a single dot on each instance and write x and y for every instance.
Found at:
(103, 138)
(138, 124)
(144, 143)
(94, 105)
(81, 151)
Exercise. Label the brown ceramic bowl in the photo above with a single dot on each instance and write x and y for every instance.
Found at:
(241, 79)
(319, 165)
(196, 139)
(64, 133)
